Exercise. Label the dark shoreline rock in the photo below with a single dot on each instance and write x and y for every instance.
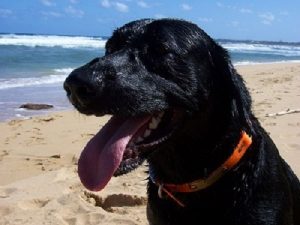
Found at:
(34, 106)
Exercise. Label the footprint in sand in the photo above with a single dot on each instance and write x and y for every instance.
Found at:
(294, 124)
(294, 146)
(271, 124)
(87, 135)
(114, 200)
(5, 192)
(3, 154)
(5, 211)
(33, 204)
(98, 218)
(87, 218)
(46, 119)
(15, 122)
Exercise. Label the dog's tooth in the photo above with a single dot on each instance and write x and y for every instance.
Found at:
(154, 123)
(147, 133)
(161, 115)
(139, 139)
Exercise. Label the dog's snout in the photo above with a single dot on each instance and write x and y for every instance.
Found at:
(80, 89)
(105, 67)
(109, 72)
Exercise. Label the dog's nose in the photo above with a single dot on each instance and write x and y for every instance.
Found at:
(79, 89)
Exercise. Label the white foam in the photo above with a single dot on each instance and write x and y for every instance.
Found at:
(52, 41)
(274, 49)
(31, 81)
(64, 70)
(20, 116)
(20, 109)
(97, 42)
(245, 63)
(58, 76)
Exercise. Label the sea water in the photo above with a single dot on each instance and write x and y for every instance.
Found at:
(33, 67)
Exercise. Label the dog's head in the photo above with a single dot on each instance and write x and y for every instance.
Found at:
(156, 76)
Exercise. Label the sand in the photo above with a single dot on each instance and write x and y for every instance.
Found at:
(38, 157)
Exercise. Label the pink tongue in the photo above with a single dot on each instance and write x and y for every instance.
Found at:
(103, 153)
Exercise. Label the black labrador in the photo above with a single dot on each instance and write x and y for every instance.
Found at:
(177, 102)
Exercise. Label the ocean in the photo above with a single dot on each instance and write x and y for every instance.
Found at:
(33, 67)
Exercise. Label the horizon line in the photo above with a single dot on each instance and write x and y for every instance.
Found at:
(107, 37)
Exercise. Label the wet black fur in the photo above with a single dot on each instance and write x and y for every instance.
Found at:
(155, 65)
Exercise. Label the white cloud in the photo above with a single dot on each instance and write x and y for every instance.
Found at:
(105, 3)
(159, 16)
(205, 19)
(51, 14)
(244, 10)
(74, 1)
(4, 13)
(48, 3)
(235, 23)
(143, 4)
(219, 4)
(186, 7)
(74, 12)
(121, 7)
(100, 20)
(267, 18)
(284, 13)
(232, 7)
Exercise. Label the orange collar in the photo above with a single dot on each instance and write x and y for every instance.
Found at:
(200, 184)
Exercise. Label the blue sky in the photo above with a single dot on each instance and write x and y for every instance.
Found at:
(274, 20)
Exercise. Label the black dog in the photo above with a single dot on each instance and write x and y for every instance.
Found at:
(177, 101)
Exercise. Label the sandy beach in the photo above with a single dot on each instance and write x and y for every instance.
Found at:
(38, 157)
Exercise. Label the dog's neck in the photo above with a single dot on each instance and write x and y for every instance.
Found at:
(192, 157)
(183, 163)
(201, 184)
(203, 143)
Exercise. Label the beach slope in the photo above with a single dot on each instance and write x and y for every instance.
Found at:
(38, 157)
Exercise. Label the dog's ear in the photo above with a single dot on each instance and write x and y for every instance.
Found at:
(232, 85)
(242, 97)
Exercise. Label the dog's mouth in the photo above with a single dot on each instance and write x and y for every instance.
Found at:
(123, 144)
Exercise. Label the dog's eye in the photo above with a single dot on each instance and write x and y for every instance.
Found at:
(159, 50)
(132, 56)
